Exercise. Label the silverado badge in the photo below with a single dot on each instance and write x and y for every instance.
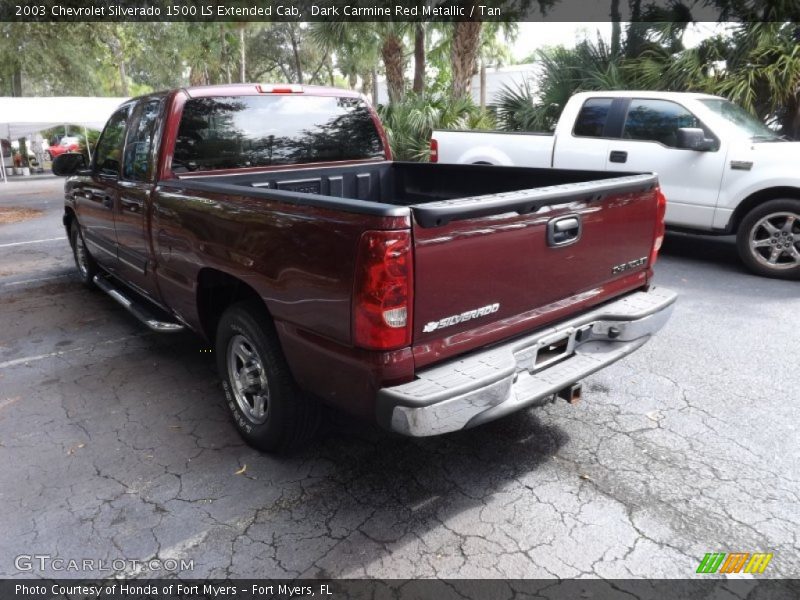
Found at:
(465, 316)
(627, 266)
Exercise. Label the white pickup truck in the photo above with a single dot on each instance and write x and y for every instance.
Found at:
(722, 170)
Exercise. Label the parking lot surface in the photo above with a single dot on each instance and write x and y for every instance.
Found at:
(115, 444)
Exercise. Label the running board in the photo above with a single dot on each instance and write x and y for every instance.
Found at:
(137, 310)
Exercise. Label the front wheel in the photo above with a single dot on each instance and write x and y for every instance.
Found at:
(769, 239)
(268, 409)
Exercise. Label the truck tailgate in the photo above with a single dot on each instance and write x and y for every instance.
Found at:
(491, 267)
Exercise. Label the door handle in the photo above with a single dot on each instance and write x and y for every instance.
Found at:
(564, 231)
(618, 156)
(563, 225)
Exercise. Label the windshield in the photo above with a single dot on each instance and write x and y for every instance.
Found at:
(741, 119)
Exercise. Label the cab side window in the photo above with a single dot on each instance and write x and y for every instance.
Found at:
(592, 118)
(137, 164)
(108, 154)
(657, 121)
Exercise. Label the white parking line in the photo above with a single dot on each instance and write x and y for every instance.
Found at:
(24, 281)
(33, 242)
(30, 359)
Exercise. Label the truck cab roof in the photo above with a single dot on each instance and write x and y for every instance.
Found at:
(255, 89)
(641, 94)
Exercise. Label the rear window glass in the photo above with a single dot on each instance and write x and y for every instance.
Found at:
(255, 131)
(592, 118)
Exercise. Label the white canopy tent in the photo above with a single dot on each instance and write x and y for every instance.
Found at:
(22, 117)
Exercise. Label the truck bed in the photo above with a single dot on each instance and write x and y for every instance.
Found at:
(481, 235)
(436, 193)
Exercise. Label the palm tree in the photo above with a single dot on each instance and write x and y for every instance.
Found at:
(757, 65)
(762, 72)
(409, 124)
(463, 52)
(394, 60)
(357, 47)
(418, 86)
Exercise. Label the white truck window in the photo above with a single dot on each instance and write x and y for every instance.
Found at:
(591, 120)
(657, 121)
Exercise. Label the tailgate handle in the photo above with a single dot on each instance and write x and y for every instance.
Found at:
(564, 231)
(618, 156)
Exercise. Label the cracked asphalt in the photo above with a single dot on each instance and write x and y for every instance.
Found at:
(115, 444)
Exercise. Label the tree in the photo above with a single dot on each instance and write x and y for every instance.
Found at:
(242, 53)
(285, 52)
(418, 86)
(28, 64)
(757, 66)
(394, 60)
(355, 47)
(409, 123)
(467, 38)
(463, 51)
(762, 73)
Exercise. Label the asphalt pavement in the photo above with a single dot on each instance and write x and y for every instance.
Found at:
(115, 445)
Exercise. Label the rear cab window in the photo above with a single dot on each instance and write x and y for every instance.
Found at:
(229, 132)
(592, 118)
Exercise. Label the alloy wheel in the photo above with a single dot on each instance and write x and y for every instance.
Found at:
(248, 379)
(775, 240)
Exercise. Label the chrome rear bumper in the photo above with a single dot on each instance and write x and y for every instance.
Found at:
(486, 385)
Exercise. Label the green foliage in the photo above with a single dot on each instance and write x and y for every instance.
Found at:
(562, 72)
(51, 56)
(757, 65)
(409, 123)
(518, 109)
(356, 47)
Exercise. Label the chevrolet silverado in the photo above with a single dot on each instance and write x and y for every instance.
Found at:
(271, 221)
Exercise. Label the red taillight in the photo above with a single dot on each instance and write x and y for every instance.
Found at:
(434, 150)
(658, 238)
(383, 294)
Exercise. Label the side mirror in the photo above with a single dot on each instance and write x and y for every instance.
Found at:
(694, 138)
(68, 164)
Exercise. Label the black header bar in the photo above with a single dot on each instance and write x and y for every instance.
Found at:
(360, 10)
(397, 589)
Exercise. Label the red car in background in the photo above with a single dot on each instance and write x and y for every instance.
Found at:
(67, 144)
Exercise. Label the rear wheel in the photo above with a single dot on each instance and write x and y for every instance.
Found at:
(769, 239)
(87, 267)
(269, 410)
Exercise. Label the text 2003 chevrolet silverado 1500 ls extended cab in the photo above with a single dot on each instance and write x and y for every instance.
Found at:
(722, 170)
(429, 297)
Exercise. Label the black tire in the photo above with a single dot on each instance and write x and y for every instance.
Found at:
(86, 265)
(286, 419)
(768, 239)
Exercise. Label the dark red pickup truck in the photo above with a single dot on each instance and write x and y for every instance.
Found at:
(430, 297)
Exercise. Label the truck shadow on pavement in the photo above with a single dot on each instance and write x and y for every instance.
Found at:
(719, 250)
(355, 496)
(138, 431)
